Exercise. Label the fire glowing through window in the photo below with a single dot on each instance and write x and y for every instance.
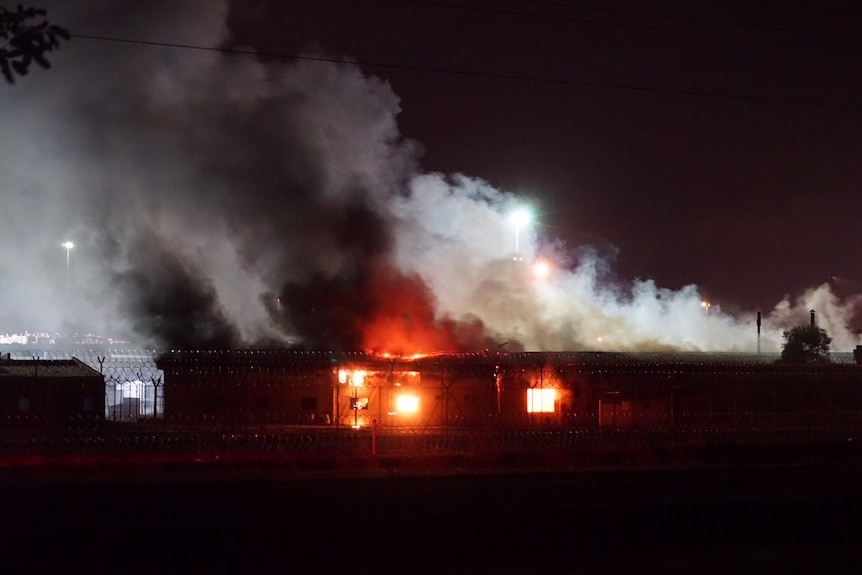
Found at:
(351, 377)
(541, 400)
(407, 404)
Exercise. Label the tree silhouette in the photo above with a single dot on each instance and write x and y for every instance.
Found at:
(806, 344)
(26, 37)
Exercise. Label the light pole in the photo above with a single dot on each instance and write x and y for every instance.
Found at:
(519, 218)
(357, 380)
(68, 245)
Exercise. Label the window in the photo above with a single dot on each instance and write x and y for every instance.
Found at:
(88, 404)
(358, 403)
(23, 405)
(309, 404)
(541, 400)
(407, 404)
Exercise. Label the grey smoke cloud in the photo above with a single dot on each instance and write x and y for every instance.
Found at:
(218, 201)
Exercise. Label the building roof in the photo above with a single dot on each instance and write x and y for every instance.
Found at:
(128, 365)
(116, 364)
(45, 368)
(582, 360)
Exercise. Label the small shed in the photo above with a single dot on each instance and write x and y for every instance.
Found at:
(50, 392)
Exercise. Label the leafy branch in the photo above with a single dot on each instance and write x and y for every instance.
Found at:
(26, 37)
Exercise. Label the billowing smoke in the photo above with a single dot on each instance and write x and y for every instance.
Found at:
(217, 201)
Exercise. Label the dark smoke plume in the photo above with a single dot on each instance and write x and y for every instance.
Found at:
(172, 303)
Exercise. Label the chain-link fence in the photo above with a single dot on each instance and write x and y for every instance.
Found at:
(133, 383)
(269, 405)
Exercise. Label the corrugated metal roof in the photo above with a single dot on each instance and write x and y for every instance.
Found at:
(144, 365)
(46, 368)
(117, 365)
(282, 357)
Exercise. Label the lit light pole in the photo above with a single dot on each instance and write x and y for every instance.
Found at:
(355, 405)
(519, 218)
(68, 245)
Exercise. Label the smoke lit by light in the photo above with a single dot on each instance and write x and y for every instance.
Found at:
(542, 269)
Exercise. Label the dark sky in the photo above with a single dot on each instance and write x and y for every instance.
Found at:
(715, 143)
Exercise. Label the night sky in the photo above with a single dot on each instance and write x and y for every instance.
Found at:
(693, 152)
(714, 143)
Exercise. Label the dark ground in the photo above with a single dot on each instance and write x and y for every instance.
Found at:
(767, 519)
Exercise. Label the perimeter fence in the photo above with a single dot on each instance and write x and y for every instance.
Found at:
(134, 386)
(471, 408)
(161, 436)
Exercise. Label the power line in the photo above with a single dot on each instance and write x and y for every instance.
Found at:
(478, 74)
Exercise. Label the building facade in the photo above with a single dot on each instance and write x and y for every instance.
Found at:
(517, 389)
(50, 392)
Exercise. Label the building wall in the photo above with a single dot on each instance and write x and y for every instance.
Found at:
(52, 400)
(488, 391)
(265, 396)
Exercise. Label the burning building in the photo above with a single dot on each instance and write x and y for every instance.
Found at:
(577, 389)
(341, 389)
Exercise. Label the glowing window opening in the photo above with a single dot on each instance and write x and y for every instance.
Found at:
(541, 400)
(406, 404)
(355, 377)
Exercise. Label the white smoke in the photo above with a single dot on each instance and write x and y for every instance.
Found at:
(457, 235)
(242, 170)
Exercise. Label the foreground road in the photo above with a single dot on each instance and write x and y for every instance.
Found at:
(754, 520)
